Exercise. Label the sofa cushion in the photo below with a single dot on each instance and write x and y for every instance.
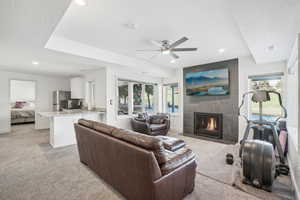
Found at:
(98, 126)
(86, 123)
(104, 128)
(157, 127)
(171, 143)
(176, 159)
(157, 121)
(140, 119)
(144, 141)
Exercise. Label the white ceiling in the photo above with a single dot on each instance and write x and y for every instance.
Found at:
(96, 34)
(265, 23)
(26, 25)
(207, 24)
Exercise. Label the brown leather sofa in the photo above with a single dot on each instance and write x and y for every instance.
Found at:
(158, 124)
(136, 165)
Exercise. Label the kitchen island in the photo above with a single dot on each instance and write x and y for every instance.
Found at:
(62, 131)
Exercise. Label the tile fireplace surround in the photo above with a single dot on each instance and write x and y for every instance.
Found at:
(227, 105)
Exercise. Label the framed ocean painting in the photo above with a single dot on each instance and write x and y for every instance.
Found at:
(207, 83)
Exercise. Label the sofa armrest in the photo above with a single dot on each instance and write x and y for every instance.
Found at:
(178, 183)
(176, 160)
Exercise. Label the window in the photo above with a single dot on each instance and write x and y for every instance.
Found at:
(172, 98)
(123, 98)
(135, 97)
(149, 99)
(271, 109)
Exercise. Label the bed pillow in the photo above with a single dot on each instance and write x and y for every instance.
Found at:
(29, 105)
(19, 104)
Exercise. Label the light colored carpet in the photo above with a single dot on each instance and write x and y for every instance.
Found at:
(31, 170)
(211, 163)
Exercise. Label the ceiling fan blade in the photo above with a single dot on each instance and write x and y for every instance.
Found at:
(184, 49)
(174, 55)
(148, 50)
(178, 42)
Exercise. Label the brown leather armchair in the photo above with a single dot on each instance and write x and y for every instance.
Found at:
(154, 125)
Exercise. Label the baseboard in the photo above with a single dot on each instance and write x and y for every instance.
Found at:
(297, 192)
(210, 139)
(4, 131)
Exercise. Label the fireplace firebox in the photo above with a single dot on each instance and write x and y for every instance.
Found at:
(208, 125)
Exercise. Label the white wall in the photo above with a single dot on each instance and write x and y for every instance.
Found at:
(292, 88)
(248, 67)
(113, 73)
(45, 86)
(22, 90)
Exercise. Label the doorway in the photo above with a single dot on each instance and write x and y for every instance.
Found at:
(22, 102)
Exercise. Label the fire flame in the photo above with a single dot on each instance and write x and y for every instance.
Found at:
(212, 124)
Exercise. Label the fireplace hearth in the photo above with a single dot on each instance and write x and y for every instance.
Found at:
(208, 125)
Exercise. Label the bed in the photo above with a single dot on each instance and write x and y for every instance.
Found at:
(22, 115)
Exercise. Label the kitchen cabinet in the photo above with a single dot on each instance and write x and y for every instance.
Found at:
(77, 88)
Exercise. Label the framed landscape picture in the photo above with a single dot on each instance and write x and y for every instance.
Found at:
(207, 83)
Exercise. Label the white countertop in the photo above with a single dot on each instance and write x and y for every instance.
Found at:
(67, 113)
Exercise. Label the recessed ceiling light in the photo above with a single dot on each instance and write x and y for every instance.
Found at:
(222, 50)
(131, 26)
(271, 48)
(173, 61)
(81, 2)
(35, 62)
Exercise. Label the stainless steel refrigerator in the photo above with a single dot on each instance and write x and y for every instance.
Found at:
(60, 100)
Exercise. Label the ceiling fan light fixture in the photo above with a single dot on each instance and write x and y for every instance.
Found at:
(167, 48)
(173, 61)
(166, 52)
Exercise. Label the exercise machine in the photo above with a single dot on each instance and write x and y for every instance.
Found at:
(261, 96)
(259, 162)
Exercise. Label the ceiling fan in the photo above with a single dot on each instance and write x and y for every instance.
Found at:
(170, 48)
